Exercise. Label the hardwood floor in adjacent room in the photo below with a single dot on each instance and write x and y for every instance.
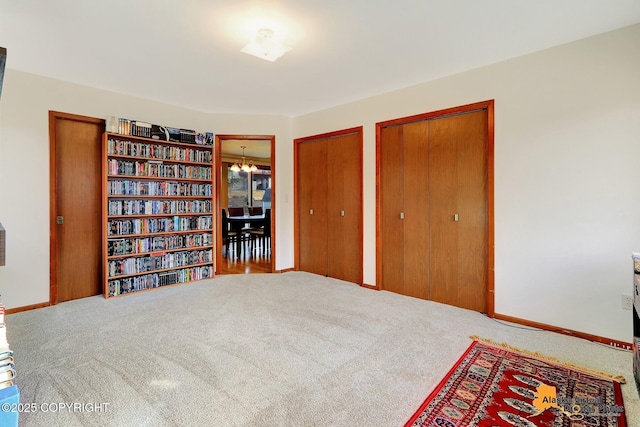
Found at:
(249, 261)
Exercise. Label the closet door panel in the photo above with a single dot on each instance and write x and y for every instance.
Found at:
(312, 202)
(471, 141)
(391, 196)
(344, 208)
(443, 206)
(458, 215)
(416, 209)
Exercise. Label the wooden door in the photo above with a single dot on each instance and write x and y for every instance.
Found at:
(76, 195)
(416, 209)
(312, 206)
(391, 206)
(344, 207)
(458, 213)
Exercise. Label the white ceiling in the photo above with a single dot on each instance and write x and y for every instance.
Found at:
(187, 52)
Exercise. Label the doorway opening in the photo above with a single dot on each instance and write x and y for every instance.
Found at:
(245, 190)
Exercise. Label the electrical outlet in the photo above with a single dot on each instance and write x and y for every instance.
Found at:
(627, 301)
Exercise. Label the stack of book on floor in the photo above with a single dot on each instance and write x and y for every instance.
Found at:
(9, 394)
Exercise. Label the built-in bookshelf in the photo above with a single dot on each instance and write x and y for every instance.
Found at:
(157, 214)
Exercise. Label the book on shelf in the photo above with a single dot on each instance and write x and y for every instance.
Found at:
(141, 129)
(159, 132)
(188, 136)
(174, 134)
(124, 126)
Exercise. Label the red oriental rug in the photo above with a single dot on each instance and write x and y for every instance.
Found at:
(496, 385)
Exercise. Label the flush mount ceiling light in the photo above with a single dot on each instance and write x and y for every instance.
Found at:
(265, 46)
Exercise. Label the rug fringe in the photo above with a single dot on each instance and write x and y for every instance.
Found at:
(618, 378)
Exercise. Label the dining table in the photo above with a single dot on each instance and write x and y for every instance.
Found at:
(238, 222)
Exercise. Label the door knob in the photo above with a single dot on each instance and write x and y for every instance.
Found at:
(59, 220)
(401, 215)
(456, 217)
(341, 213)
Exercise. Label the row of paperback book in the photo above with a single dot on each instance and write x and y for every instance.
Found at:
(7, 364)
(158, 207)
(152, 262)
(165, 133)
(148, 281)
(132, 246)
(157, 169)
(118, 187)
(117, 227)
(118, 147)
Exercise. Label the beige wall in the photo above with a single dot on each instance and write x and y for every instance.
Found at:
(567, 168)
(566, 163)
(24, 167)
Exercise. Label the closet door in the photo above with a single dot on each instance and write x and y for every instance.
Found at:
(344, 207)
(312, 203)
(416, 209)
(458, 213)
(391, 207)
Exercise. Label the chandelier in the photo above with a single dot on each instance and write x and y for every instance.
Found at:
(244, 166)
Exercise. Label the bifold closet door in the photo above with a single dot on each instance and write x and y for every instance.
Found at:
(416, 210)
(344, 207)
(391, 170)
(458, 212)
(312, 205)
(404, 175)
(433, 209)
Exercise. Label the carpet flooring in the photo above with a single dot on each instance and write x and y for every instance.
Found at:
(292, 349)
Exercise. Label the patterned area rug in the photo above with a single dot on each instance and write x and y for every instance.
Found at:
(496, 386)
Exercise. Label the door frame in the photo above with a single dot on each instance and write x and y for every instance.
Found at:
(483, 105)
(54, 116)
(296, 201)
(217, 185)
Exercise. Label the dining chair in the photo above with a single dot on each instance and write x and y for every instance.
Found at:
(263, 234)
(236, 211)
(228, 236)
(255, 210)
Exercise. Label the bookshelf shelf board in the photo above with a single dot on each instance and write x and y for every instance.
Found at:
(137, 254)
(113, 135)
(158, 215)
(166, 233)
(158, 178)
(158, 287)
(180, 267)
(153, 159)
(139, 196)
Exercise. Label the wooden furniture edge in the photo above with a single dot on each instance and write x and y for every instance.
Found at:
(564, 331)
